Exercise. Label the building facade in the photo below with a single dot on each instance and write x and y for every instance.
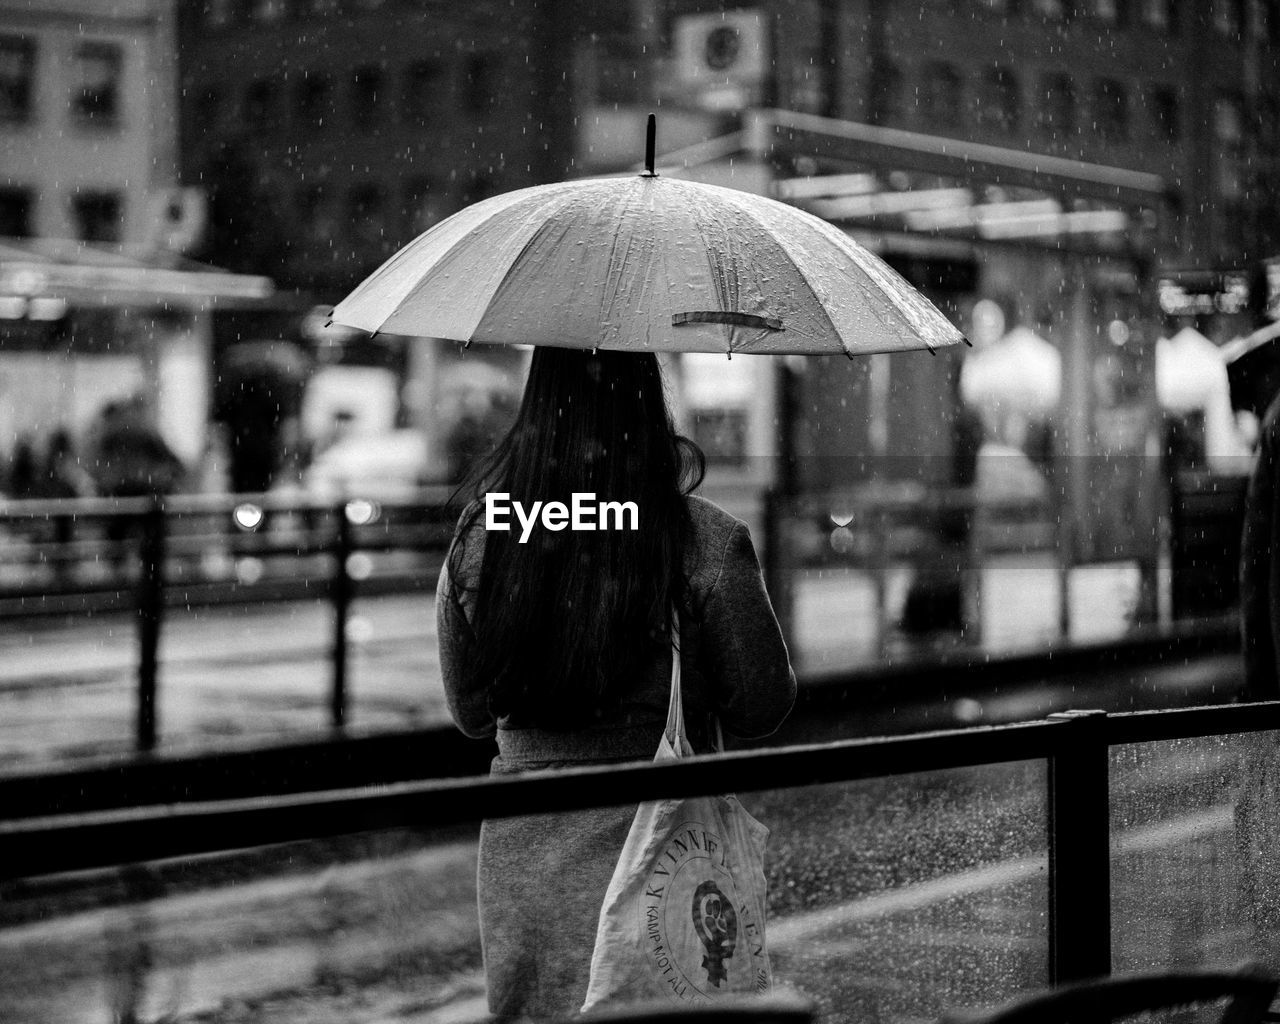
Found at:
(87, 114)
(98, 306)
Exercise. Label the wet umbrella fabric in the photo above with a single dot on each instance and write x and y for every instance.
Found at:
(645, 264)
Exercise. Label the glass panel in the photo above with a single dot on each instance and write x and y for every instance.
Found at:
(889, 900)
(1195, 863)
(364, 927)
(899, 899)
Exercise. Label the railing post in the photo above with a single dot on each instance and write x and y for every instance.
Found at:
(340, 593)
(778, 568)
(1080, 851)
(150, 610)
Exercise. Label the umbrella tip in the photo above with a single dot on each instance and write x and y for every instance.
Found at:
(650, 146)
(328, 323)
(966, 341)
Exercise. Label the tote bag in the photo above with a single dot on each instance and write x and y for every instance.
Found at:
(683, 917)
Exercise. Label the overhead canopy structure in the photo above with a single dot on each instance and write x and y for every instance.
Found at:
(40, 278)
(896, 180)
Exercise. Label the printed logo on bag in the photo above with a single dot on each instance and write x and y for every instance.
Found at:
(702, 939)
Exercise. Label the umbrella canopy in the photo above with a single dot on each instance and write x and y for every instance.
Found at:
(645, 264)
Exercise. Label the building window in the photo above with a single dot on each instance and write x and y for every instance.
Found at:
(218, 13)
(1049, 10)
(1108, 12)
(365, 213)
(478, 186)
(998, 104)
(1157, 14)
(884, 104)
(260, 101)
(312, 99)
(422, 82)
(1264, 25)
(481, 82)
(97, 216)
(316, 214)
(209, 107)
(95, 93)
(17, 78)
(366, 90)
(940, 97)
(1163, 100)
(422, 207)
(17, 206)
(1056, 111)
(1111, 110)
(267, 10)
(1228, 17)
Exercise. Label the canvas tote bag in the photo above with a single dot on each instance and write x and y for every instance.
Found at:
(684, 913)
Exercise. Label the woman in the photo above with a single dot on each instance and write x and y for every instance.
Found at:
(561, 645)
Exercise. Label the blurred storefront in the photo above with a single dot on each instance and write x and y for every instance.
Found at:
(83, 325)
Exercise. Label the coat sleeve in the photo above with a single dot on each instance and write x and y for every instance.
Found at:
(468, 705)
(745, 657)
(1257, 569)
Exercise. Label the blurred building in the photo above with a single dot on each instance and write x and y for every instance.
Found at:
(1179, 99)
(329, 133)
(97, 303)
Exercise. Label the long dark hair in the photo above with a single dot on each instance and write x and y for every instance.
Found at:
(567, 621)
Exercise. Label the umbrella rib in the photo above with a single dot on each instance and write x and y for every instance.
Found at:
(804, 278)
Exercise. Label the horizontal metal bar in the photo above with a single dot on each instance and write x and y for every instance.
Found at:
(422, 499)
(1189, 723)
(961, 158)
(76, 842)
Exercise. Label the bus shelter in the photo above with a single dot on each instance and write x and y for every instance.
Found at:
(1066, 250)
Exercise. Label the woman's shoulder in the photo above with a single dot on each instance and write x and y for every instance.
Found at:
(467, 547)
(712, 530)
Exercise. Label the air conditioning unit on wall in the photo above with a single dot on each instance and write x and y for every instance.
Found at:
(728, 48)
(178, 217)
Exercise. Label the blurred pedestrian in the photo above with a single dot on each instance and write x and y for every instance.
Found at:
(132, 461)
(62, 475)
(561, 646)
(24, 468)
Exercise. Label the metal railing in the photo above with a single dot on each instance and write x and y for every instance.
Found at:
(156, 551)
(1075, 745)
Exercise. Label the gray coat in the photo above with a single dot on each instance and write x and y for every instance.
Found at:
(542, 879)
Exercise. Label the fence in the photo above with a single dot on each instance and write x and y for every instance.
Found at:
(138, 554)
(76, 557)
(1076, 747)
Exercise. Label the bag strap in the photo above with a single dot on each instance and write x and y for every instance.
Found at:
(675, 707)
